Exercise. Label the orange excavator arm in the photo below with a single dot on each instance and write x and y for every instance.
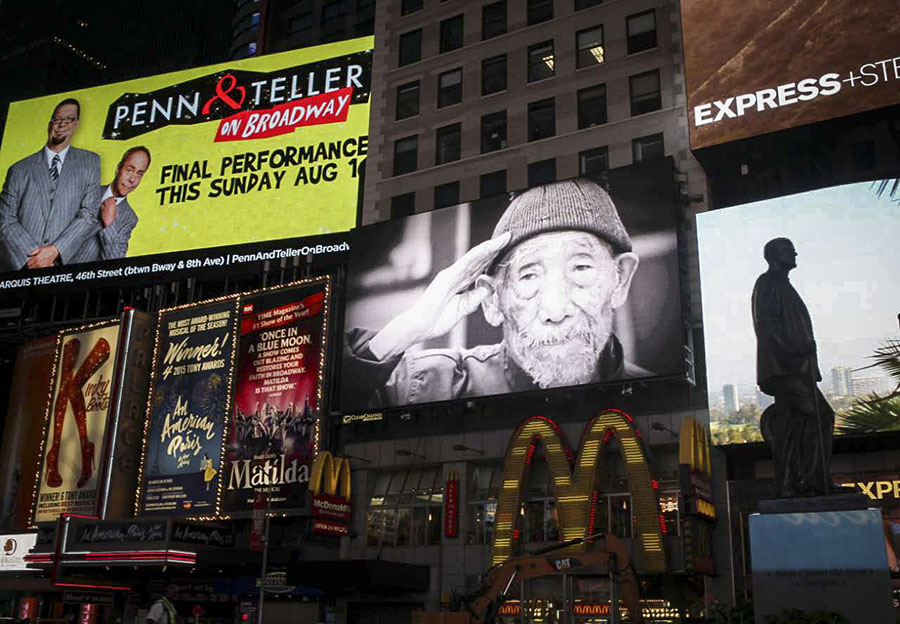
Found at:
(609, 550)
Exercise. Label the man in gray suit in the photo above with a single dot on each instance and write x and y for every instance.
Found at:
(117, 218)
(48, 206)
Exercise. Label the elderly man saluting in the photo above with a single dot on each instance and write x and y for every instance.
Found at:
(558, 265)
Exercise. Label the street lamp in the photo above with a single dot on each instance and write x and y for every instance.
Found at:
(463, 447)
(408, 453)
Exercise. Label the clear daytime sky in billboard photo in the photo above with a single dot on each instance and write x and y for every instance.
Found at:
(848, 245)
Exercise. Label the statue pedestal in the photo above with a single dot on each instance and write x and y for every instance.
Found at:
(801, 504)
(816, 555)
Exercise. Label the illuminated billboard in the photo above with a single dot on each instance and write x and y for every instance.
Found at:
(846, 274)
(565, 284)
(777, 66)
(190, 393)
(77, 418)
(279, 381)
(248, 151)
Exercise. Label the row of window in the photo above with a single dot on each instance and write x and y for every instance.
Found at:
(494, 72)
(333, 22)
(640, 29)
(645, 97)
(539, 521)
(590, 162)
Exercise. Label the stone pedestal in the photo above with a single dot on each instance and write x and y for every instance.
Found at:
(820, 554)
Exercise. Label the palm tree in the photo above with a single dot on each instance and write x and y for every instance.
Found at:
(877, 413)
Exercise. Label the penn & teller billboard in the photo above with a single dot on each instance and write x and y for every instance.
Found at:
(570, 283)
(247, 151)
(845, 238)
(758, 66)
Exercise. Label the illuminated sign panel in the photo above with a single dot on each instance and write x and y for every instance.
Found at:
(575, 478)
(13, 549)
(76, 421)
(779, 65)
(279, 381)
(846, 240)
(329, 485)
(441, 305)
(190, 394)
(248, 151)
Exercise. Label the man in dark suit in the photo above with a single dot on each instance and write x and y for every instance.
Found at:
(117, 218)
(49, 201)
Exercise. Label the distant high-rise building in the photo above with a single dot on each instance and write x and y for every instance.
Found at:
(763, 400)
(732, 398)
(864, 386)
(842, 381)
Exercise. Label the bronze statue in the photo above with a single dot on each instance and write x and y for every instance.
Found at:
(800, 425)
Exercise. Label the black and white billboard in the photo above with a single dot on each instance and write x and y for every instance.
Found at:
(570, 283)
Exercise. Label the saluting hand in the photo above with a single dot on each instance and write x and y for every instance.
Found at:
(450, 297)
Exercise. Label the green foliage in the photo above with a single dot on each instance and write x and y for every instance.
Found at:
(723, 614)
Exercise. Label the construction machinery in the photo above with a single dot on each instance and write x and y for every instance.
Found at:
(483, 604)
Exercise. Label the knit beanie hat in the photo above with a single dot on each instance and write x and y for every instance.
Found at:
(578, 204)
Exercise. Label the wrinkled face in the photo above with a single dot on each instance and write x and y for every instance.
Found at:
(62, 125)
(556, 293)
(130, 174)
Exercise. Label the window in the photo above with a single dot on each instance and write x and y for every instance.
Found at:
(539, 11)
(493, 74)
(410, 6)
(451, 33)
(303, 23)
(405, 508)
(334, 14)
(541, 119)
(493, 132)
(410, 47)
(648, 148)
(586, 4)
(589, 44)
(620, 515)
(540, 61)
(491, 184)
(542, 172)
(592, 106)
(447, 140)
(246, 25)
(408, 100)
(593, 161)
(641, 29)
(446, 195)
(485, 484)
(645, 96)
(493, 19)
(403, 205)
(405, 155)
(450, 87)
(251, 48)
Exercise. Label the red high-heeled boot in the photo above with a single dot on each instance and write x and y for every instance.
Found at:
(70, 354)
(92, 363)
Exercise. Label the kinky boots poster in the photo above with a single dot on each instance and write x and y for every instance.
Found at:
(189, 399)
(77, 418)
(278, 393)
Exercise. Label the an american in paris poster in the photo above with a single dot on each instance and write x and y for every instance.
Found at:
(188, 404)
